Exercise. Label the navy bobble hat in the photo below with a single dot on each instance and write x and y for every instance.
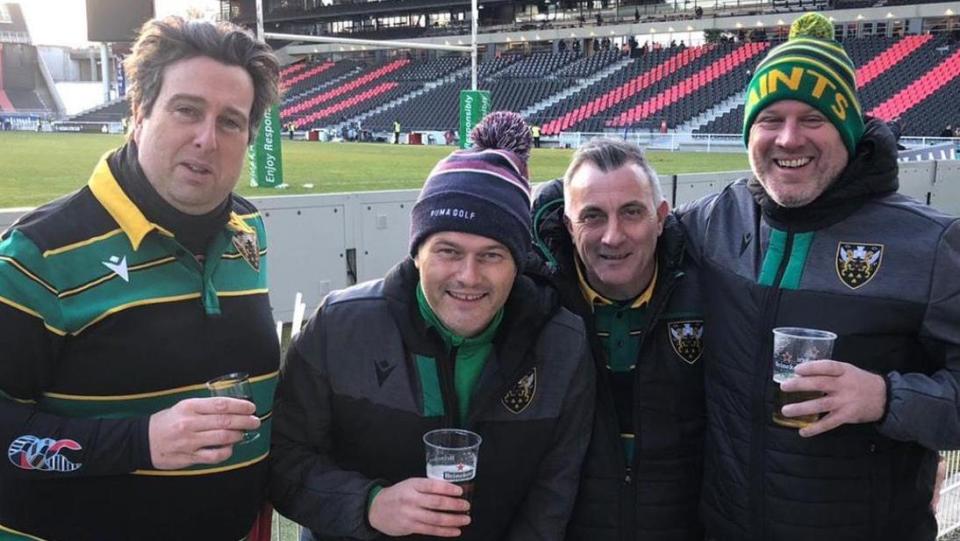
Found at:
(482, 190)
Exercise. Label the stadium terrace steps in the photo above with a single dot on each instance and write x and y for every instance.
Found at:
(435, 106)
(315, 70)
(889, 58)
(602, 70)
(538, 65)
(730, 122)
(624, 91)
(885, 67)
(113, 111)
(5, 104)
(697, 123)
(609, 91)
(930, 116)
(288, 71)
(920, 89)
(384, 106)
(895, 78)
(490, 69)
(432, 70)
(303, 108)
(304, 90)
(351, 101)
(588, 66)
(688, 86)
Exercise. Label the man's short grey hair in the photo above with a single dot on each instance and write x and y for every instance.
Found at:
(609, 154)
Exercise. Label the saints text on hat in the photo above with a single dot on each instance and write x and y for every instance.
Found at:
(811, 83)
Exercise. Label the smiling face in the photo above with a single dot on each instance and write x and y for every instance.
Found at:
(795, 152)
(192, 143)
(466, 279)
(614, 223)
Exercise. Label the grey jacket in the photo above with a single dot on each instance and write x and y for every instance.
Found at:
(883, 272)
(366, 379)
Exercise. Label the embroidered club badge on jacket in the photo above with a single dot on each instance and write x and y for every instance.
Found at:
(858, 263)
(246, 245)
(521, 394)
(686, 337)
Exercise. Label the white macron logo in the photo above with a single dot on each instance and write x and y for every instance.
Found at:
(119, 268)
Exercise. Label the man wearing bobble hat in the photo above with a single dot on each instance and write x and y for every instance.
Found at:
(820, 238)
(453, 336)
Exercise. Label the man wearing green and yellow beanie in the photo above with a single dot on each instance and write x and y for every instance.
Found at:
(818, 237)
(813, 68)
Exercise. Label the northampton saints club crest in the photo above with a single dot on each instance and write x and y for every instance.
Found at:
(521, 394)
(857, 263)
(686, 337)
(246, 245)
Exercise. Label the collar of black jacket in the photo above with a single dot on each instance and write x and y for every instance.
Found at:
(871, 173)
(528, 308)
(193, 232)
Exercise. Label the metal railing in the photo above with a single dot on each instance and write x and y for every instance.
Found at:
(948, 509)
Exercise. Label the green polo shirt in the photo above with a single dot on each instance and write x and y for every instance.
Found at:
(471, 352)
(620, 326)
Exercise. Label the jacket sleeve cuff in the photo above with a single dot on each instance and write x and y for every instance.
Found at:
(141, 452)
(373, 495)
(888, 399)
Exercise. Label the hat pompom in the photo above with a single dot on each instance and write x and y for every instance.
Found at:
(504, 130)
(812, 25)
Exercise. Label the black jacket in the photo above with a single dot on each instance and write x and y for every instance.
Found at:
(881, 271)
(355, 399)
(655, 497)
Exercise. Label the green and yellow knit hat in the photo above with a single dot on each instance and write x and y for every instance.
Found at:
(813, 68)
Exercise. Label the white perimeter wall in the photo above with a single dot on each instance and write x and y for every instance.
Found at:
(323, 242)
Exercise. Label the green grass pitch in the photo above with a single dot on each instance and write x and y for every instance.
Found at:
(35, 168)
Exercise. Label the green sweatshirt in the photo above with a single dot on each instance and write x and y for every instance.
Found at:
(471, 352)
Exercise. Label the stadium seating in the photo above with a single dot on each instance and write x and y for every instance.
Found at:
(21, 87)
(300, 111)
(306, 78)
(650, 86)
(537, 65)
(110, 112)
(5, 103)
(288, 71)
(908, 77)
(914, 78)
(433, 69)
(930, 116)
(920, 89)
(890, 57)
(701, 88)
(586, 66)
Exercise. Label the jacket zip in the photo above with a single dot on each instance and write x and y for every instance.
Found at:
(451, 406)
(764, 359)
(651, 323)
(628, 512)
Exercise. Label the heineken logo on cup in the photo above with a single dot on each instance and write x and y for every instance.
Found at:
(458, 473)
(452, 457)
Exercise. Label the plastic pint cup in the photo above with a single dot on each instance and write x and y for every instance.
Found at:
(452, 457)
(792, 346)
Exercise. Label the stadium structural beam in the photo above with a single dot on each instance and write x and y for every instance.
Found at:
(474, 24)
(105, 70)
(368, 42)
